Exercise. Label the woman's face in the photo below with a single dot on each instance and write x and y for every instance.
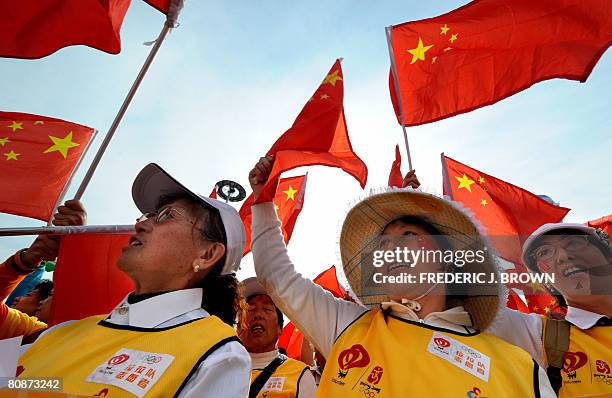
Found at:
(406, 240)
(43, 312)
(28, 303)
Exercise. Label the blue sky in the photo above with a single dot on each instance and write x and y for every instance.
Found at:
(235, 75)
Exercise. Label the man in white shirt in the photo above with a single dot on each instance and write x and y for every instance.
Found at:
(259, 332)
(579, 354)
(173, 335)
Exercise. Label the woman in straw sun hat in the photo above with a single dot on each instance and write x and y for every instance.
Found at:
(433, 331)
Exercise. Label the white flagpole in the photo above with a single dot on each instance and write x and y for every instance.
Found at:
(170, 23)
(398, 95)
(69, 230)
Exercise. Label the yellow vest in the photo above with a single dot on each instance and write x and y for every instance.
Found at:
(284, 381)
(384, 356)
(117, 360)
(587, 365)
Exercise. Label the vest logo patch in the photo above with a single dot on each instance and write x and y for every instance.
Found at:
(602, 372)
(274, 384)
(572, 361)
(354, 357)
(461, 355)
(131, 370)
(375, 375)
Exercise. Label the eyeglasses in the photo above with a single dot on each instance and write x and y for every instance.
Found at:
(164, 214)
(570, 244)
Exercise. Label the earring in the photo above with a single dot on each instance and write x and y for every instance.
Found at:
(196, 268)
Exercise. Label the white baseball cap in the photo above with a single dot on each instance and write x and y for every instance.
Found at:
(153, 183)
(252, 288)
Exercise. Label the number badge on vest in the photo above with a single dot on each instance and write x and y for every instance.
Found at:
(461, 355)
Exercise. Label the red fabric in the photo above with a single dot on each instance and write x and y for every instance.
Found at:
(288, 202)
(395, 175)
(213, 193)
(318, 136)
(603, 223)
(508, 213)
(501, 47)
(160, 5)
(514, 302)
(37, 28)
(291, 338)
(87, 280)
(32, 180)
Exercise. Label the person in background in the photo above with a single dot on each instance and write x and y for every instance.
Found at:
(29, 303)
(174, 335)
(273, 374)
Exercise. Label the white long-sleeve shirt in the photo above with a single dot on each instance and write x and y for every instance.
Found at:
(315, 312)
(525, 330)
(225, 372)
(307, 387)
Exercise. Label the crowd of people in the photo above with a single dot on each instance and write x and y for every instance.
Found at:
(191, 329)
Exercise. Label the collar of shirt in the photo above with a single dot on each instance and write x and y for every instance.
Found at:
(158, 310)
(260, 360)
(582, 318)
(456, 319)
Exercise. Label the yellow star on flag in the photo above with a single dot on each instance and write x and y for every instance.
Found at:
(290, 193)
(4, 141)
(15, 126)
(276, 207)
(418, 53)
(39, 122)
(324, 96)
(447, 49)
(547, 309)
(535, 286)
(444, 29)
(62, 145)
(332, 78)
(11, 155)
(465, 182)
(481, 180)
(453, 37)
(484, 202)
(434, 59)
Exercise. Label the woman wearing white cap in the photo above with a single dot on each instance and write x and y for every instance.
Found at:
(406, 339)
(577, 348)
(174, 335)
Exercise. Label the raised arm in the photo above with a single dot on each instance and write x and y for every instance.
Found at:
(315, 312)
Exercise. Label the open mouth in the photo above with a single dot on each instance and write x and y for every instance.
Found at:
(573, 270)
(135, 242)
(393, 267)
(257, 329)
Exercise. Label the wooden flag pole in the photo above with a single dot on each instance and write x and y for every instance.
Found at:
(169, 24)
(398, 94)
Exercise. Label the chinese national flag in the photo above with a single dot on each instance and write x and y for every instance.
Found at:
(395, 175)
(37, 28)
(86, 278)
(288, 202)
(508, 213)
(38, 155)
(290, 338)
(488, 50)
(318, 136)
(603, 223)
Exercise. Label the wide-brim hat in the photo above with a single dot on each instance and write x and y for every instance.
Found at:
(369, 217)
(153, 183)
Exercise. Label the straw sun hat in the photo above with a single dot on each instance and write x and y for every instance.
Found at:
(366, 221)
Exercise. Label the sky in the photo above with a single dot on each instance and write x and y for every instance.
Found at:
(234, 75)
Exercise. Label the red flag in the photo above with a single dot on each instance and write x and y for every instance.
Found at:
(288, 202)
(290, 338)
(603, 223)
(87, 280)
(160, 5)
(213, 193)
(514, 302)
(37, 28)
(318, 136)
(509, 213)
(38, 155)
(488, 50)
(395, 175)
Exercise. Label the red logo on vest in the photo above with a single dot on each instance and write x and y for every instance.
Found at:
(602, 367)
(354, 357)
(117, 360)
(442, 343)
(573, 361)
(375, 375)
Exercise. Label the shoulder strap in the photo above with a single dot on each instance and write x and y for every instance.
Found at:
(556, 344)
(265, 374)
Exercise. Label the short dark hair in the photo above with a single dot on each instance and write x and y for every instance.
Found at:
(280, 319)
(44, 288)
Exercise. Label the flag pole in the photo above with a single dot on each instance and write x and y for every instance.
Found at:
(446, 185)
(60, 198)
(170, 23)
(68, 230)
(398, 94)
